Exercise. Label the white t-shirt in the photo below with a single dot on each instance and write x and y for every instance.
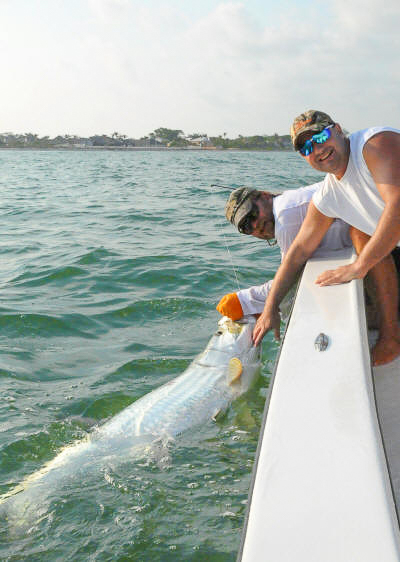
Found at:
(354, 198)
(289, 210)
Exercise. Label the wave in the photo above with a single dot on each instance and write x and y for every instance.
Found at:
(62, 274)
(44, 325)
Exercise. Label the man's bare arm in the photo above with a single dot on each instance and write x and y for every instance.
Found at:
(312, 231)
(382, 156)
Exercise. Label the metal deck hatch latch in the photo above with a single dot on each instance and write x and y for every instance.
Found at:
(321, 342)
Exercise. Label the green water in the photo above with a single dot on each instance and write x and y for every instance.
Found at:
(111, 267)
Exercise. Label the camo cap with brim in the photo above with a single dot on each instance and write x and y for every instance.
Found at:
(311, 120)
(239, 204)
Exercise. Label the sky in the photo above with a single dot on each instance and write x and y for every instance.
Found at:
(247, 67)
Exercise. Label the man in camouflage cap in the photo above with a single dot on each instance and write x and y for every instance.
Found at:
(312, 120)
(242, 210)
(362, 187)
(276, 218)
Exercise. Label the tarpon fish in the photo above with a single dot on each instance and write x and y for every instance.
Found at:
(225, 370)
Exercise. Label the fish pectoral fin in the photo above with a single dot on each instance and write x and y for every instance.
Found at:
(235, 370)
(214, 416)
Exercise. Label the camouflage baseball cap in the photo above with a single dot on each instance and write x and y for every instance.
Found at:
(311, 120)
(239, 204)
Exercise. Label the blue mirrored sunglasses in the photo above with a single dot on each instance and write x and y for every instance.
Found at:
(319, 138)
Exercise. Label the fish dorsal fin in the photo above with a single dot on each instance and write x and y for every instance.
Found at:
(235, 369)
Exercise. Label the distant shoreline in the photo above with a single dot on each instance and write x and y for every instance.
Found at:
(161, 139)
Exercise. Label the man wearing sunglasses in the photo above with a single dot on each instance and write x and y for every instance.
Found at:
(362, 187)
(276, 218)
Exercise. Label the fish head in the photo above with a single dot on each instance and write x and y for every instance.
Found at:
(234, 339)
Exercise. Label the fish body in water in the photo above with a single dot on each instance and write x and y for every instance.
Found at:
(225, 370)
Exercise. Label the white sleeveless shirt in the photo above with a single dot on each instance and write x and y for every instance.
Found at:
(354, 198)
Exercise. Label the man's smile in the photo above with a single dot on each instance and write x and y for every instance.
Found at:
(326, 155)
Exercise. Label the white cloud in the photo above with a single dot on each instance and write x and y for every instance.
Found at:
(107, 10)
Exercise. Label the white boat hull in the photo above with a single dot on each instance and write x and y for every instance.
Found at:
(321, 488)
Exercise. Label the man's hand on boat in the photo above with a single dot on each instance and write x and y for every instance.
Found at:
(342, 274)
(268, 320)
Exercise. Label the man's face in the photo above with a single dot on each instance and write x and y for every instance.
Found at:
(330, 157)
(264, 225)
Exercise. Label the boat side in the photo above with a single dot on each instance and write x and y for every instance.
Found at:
(321, 487)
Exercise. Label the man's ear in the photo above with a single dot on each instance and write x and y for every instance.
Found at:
(338, 128)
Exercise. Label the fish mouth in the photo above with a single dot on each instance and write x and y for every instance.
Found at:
(237, 333)
(226, 323)
(247, 319)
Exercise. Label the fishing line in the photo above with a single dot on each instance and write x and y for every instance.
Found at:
(219, 225)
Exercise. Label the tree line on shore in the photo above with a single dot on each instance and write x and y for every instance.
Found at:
(161, 137)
